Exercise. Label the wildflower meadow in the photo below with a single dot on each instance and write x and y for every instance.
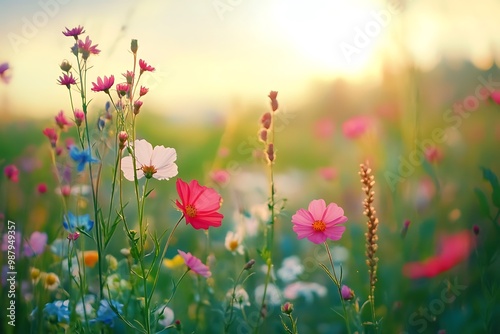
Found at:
(280, 219)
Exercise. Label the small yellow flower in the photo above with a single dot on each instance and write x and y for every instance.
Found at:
(112, 262)
(174, 263)
(51, 281)
(35, 275)
(90, 258)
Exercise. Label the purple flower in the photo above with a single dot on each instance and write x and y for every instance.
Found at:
(35, 244)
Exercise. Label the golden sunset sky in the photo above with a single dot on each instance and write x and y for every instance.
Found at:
(209, 53)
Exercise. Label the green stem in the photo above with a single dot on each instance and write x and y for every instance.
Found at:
(339, 288)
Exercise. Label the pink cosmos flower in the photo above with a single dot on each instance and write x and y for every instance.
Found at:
(157, 162)
(319, 222)
(122, 89)
(495, 96)
(454, 249)
(129, 76)
(195, 264)
(199, 204)
(355, 127)
(103, 85)
(145, 67)
(327, 173)
(433, 154)
(4, 67)
(220, 176)
(86, 48)
(11, 172)
(36, 244)
(52, 135)
(41, 188)
(67, 80)
(61, 120)
(74, 32)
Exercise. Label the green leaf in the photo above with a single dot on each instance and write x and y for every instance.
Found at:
(483, 203)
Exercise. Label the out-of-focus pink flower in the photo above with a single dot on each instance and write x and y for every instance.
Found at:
(220, 176)
(4, 69)
(266, 120)
(41, 188)
(143, 91)
(137, 106)
(223, 152)
(346, 292)
(79, 117)
(36, 244)
(433, 154)
(145, 67)
(195, 264)
(67, 80)
(51, 134)
(274, 102)
(103, 85)
(356, 126)
(65, 190)
(74, 32)
(73, 236)
(129, 76)
(122, 89)
(327, 173)
(495, 96)
(86, 48)
(158, 162)
(199, 204)
(61, 120)
(323, 128)
(11, 172)
(319, 222)
(453, 249)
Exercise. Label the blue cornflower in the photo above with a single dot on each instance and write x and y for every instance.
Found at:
(81, 157)
(106, 314)
(58, 308)
(74, 223)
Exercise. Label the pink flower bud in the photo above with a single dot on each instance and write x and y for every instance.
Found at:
(73, 236)
(143, 91)
(347, 293)
(41, 188)
(274, 102)
(51, 134)
(66, 190)
(123, 137)
(11, 172)
(266, 120)
(137, 106)
(79, 117)
(263, 135)
(270, 152)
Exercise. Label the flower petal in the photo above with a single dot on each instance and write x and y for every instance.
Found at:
(143, 151)
(317, 208)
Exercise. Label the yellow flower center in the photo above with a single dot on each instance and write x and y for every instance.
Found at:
(191, 211)
(233, 244)
(148, 171)
(35, 274)
(319, 226)
(51, 279)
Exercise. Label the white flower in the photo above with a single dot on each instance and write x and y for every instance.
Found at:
(233, 242)
(290, 269)
(304, 289)
(241, 297)
(273, 294)
(165, 316)
(157, 162)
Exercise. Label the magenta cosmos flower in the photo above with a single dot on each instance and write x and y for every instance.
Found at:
(74, 32)
(195, 264)
(319, 222)
(103, 85)
(11, 172)
(145, 67)
(4, 69)
(158, 162)
(199, 204)
(67, 80)
(86, 48)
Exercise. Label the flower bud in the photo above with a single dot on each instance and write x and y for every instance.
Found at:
(73, 236)
(266, 120)
(79, 117)
(270, 152)
(122, 137)
(137, 106)
(134, 46)
(346, 292)
(65, 66)
(263, 135)
(274, 102)
(287, 308)
(249, 264)
(178, 325)
(475, 229)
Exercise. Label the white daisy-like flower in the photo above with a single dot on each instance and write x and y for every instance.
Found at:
(241, 298)
(290, 269)
(157, 162)
(165, 316)
(233, 242)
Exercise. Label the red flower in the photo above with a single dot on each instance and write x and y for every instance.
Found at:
(453, 249)
(145, 67)
(199, 204)
(52, 135)
(11, 172)
(143, 91)
(67, 80)
(42, 188)
(74, 32)
(103, 85)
